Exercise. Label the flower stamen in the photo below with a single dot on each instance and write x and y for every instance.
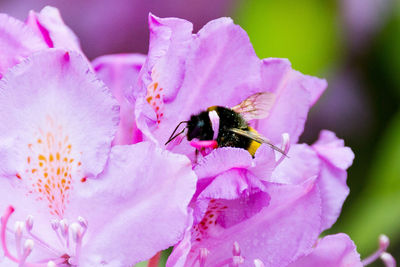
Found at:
(381, 253)
(258, 263)
(285, 147)
(388, 259)
(237, 259)
(62, 230)
(41, 242)
(28, 246)
(19, 226)
(55, 225)
(77, 232)
(203, 254)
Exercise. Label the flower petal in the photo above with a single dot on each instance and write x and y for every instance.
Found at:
(331, 251)
(54, 110)
(295, 94)
(335, 159)
(49, 25)
(137, 207)
(178, 257)
(332, 149)
(195, 69)
(301, 165)
(221, 160)
(17, 41)
(119, 73)
(292, 218)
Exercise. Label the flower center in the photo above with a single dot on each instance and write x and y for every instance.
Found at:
(69, 235)
(51, 164)
(155, 96)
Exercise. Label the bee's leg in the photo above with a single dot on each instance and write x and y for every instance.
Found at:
(196, 155)
(203, 152)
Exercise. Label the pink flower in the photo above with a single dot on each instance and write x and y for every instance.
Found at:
(69, 197)
(269, 207)
(42, 30)
(186, 73)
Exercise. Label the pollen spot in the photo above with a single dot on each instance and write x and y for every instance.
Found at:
(51, 166)
(155, 96)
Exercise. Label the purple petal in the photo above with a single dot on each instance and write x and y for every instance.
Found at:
(221, 160)
(119, 73)
(295, 94)
(17, 41)
(332, 150)
(137, 207)
(49, 25)
(335, 159)
(301, 164)
(292, 218)
(195, 69)
(64, 114)
(331, 251)
(178, 257)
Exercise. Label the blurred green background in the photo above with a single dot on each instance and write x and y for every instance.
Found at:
(354, 44)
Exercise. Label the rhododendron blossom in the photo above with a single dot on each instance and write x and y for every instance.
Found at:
(269, 208)
(86, 180)
(77, 200)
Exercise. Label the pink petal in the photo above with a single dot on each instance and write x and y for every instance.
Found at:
(119, 73)
(53, 105)
(243, 195)
(295, 94)
(292, 218)
(331, 251)
(14, 192)
(137, 207)
(169, 43)
(49, 25)
(301, 164)
(178, 257)
(17, 41)
(221, 160)
(335, 159)
(195, 68)
(332, 149)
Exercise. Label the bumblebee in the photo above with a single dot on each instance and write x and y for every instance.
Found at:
(229, 127)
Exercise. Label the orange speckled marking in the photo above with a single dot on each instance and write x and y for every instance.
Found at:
(51, 164)
(155, 96)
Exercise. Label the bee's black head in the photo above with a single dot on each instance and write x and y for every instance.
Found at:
(199, 126)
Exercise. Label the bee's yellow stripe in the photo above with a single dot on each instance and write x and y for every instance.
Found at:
(212, 108)
(253, 145)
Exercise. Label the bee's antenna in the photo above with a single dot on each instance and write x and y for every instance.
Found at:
(172, 137)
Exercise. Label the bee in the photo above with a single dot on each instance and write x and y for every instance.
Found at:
(229, 127)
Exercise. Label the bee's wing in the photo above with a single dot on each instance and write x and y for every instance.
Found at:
(256, 106)
(256, 137)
